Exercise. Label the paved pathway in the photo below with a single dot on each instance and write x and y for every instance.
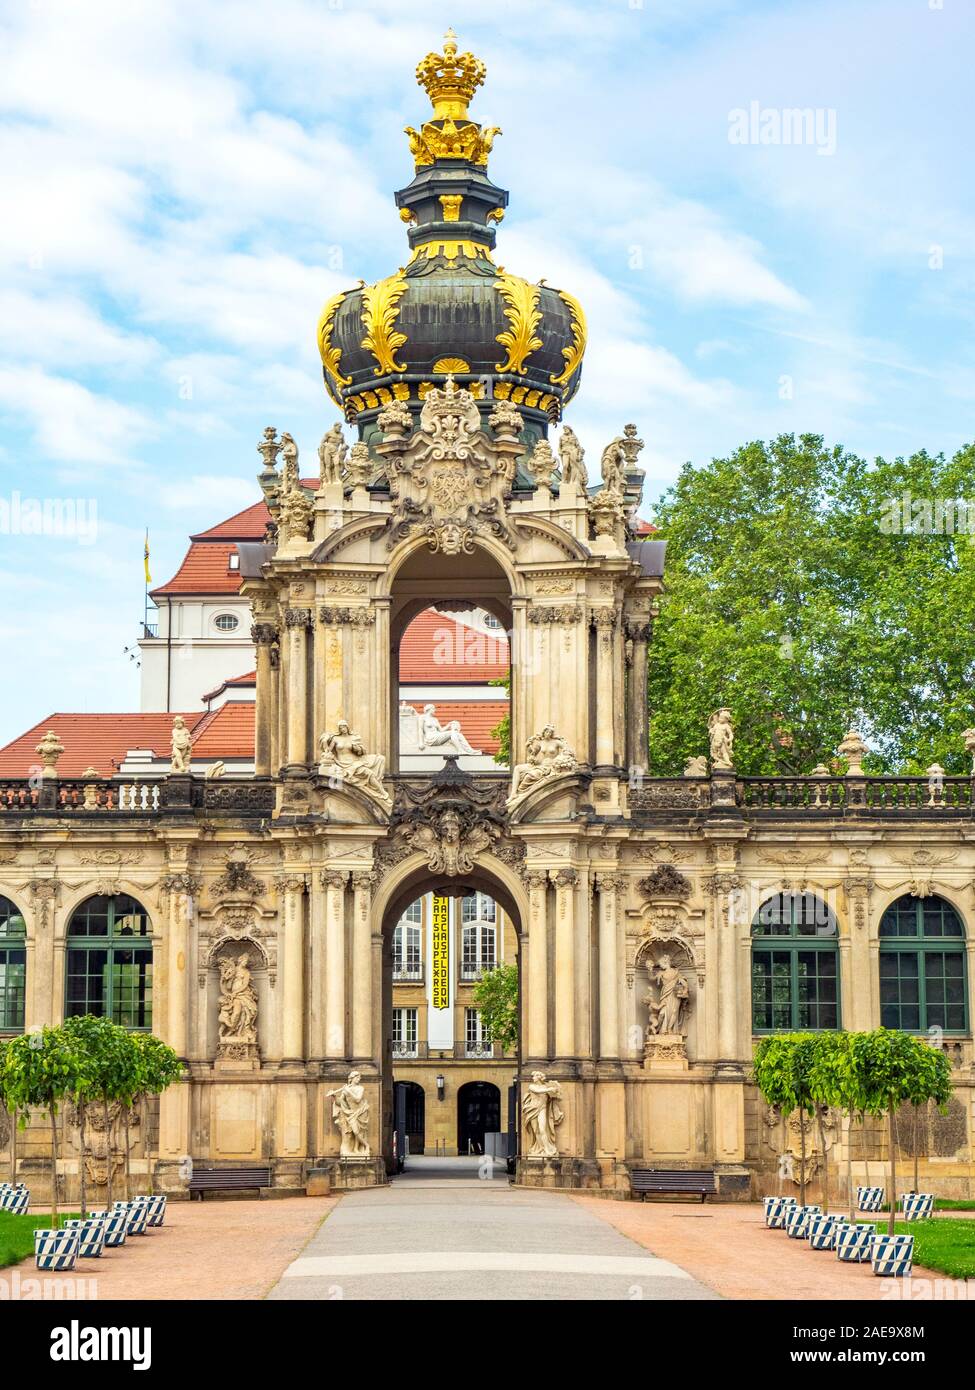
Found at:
(441, 1231)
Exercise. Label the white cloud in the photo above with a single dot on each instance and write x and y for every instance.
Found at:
(69, 422)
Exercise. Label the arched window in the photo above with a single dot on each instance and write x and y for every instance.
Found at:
(795, 965)
(479, 941)
(408, 944)
(923, 980)
(13, 967)
(110, 961)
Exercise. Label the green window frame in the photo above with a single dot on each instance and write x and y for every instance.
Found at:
(923, 966)
(109, 962)
(795, 965)
(13, 967)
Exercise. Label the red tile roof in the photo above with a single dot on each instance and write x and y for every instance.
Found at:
(205, 570)
(100, 741)
(228, 732)
(436, 649)
(477, 718)
(233, 682)
(248, 525)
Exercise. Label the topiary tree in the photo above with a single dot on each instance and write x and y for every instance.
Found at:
(932, 1081)
(779, 1080)
(96, 1037)
(829, 1052)
(496, 995)
(6, 1104)
(41, 1070)
(159, 1068)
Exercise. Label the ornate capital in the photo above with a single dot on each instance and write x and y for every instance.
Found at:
(609, 882)
(604, 619)
(565, 878)
(187, 883)
(556, 613)
(364, 880)
(334, 878)
(291, 883)
(536, 878)
(349, 617)
(297, 617)
(263, 634)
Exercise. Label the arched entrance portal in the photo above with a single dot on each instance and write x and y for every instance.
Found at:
(478, 1113)
(437, 1055)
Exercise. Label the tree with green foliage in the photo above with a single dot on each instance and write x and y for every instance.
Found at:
(496, 995)
(502, 730)
(41, 1070)
(899, 1068)
(808, 590)
(95, 1037)
(159, 1068)
(782, 1069)
(7, 1105)
(931, 1082)
(826, 1086)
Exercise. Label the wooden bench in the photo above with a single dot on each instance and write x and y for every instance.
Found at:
(673, 1180)
(228, 1180)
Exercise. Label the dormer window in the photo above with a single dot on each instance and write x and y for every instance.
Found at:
(233, 561)
(226, 622)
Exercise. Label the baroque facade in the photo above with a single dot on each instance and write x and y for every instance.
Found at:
(660, 923)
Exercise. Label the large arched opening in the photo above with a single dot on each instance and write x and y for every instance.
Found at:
(439, 937)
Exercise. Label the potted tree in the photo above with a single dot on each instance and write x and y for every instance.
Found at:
(777, 1079)
(159, 1068)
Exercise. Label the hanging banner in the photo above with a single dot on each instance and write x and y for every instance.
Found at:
(440, 954)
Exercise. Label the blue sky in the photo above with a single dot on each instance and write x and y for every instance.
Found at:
(184, 184)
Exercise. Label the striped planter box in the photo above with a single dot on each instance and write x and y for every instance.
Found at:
(55, 1250)
(893, 1256)
(91, 1236)
(854, 1242)
(797, 1222)
(777, 1216)
(136, 1215)
(823, 1231)
(116, 1225)
(16, 1202)
(870, 1198)
(917, 1206)
(157, 1211)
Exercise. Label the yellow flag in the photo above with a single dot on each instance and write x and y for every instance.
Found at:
(145, 560)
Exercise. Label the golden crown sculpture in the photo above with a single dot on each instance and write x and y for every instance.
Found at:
(450, 80)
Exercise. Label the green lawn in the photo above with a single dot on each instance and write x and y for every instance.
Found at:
(947, 1245)
(17, 1235)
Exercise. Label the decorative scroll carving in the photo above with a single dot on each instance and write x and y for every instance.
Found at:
(665, 882)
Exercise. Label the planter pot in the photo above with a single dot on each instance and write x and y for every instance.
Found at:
(157, 1211)
(777, 1214)
(854, 1242)
(116, 1225)
(917, 1206)
(16, 1202)
(136, 1214)
(893, 1256)
(797, 1222)
(56, 1250)
(870, 1198)
(823, 1231)
(91, 1236)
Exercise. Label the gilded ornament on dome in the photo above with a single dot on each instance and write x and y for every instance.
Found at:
(522, 312)
(450, 202)
(331, 356)
(573, 354)
(450, 79)
(451, 364)
(380, 309)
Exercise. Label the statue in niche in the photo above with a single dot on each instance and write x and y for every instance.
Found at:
(238, 1001)
(182, 745)
(350, 1111)
(331, 455)
(668, 1007)
(722, 736)
(548, 756)
(572, 458)
(541, 1106)
(344, 758)
(433, 734)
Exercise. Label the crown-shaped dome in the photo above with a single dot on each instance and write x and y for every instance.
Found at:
(451, 310)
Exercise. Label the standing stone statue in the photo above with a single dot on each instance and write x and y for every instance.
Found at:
(344, 757)
(969, 737)
(433, 734)
(572, 458)
(548, 756)
(331, 455)
(667, 1010)
(238, 1001)
(350, 1111)
(182, 745)
(722, 736)
(613, 468)
(541, 1106)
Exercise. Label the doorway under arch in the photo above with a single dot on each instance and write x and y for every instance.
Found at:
(478, 1113)
(415, 1108)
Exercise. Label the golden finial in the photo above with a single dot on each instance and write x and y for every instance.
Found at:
(450, 79)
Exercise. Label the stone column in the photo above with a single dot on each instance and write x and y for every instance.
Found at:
(291, 890)
(858, 960)
(362, 885)
(604, 622)
(565, 881)
(297, 621)
(334, 882)
(263, 635)
(44, 1002)
(181, 887)
(723, 887)
(609, 886)
(523, 653)
(637, 720)
(535, 1001)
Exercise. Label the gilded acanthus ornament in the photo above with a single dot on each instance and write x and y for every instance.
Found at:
(548, 756)
(380, 310)
(573, 355)
(181, 746)
(331, 356)
(343, 759)
(331, 455)
(522, 312)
